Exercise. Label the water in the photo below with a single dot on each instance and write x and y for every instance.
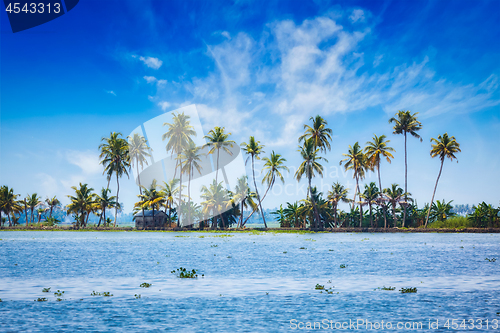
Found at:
(250, 284)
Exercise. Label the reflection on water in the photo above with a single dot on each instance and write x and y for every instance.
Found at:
(252, 282)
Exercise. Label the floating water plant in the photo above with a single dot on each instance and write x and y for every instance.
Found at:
(215, 245)
(285, 252)
(59, 299)
(41, 299)
(45, 290)
(330, 250)
(58, 293)
(137, 296)
(491, 260)
(387, 288)
(310, 239)
(107, 294)
(319, 287)
(343, 266)
(185, 274)
(95, 293)
(145, 285)
(408, 290)
(302, 248)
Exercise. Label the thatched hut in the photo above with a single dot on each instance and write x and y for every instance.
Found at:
(148, 222)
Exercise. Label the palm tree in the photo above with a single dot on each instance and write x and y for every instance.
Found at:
(394, 194)
(443, 147)
(169, 190)
(441, 210)
(337, 194)
(356, 160)
(191, 159)
(103, 202)
(138, 150)
(292, 213)
(274, 165)
(151, 198)
(52, 203)
(115, 158)
(371, 194)
(82, 203)
(32, 202)
(253, 148)
(9, 203)
(245, 197)
(406, 123)
(281, 217)
(309, 167)
(216, 201)
(375, 151)
(319, 133)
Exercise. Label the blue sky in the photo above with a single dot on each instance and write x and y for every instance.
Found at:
(256, 68)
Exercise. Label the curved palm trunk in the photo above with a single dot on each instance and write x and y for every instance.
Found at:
(102, 213)
(117, 201)
(433, 193)
(31, 220)
(189, 196)
(315, 209)
(257, 192)
(140, 188)
(180, 194)
(240, 223)
(406, 186)
(25, 212)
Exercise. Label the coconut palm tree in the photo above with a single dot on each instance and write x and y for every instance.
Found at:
(292, 213)
(33, 201)
(309, 167)
(280, 213)
(394, 196)
(356, 160)
(245, 197)
(9, 203)
(405, 123)
(253, 149)
(81, 204)
(52, 203)
(191, 157)
(103, 202)
(375, 151)
(274, 166)
(370, 194)
(169, 190)
(337, 194)
(138, 150)
(319, 133)
(151, 198)
(115, 158)
(441, 210)
(216, 201)
(443, 147)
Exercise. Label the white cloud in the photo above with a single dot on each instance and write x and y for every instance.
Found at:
(357, 15)
(150, 79)
(111, 92)
(86, 160)
(151, 62)
(164, 105)
(226, 34)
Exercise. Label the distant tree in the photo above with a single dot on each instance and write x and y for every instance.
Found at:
(337, 194)
(138, 150)
(52, 203)
(371, 194)
(81, 204)
(103, 202)
(253, 148)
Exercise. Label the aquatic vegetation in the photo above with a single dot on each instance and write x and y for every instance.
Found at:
(319, 287)
(491, 260)
(222, 236)
(310, 239)
(145, 285)
(58, 293)
(302, 248)
(215, 245)
(386, 288)
(95, 293)
(343, 266)
(107, 294)
(137, 296)
(45, 290)
(330, 250)
(59, 299)
(229, 257)
(180, 236)
(185, 274)
(285, 252)
(41, 299)
(408, 290)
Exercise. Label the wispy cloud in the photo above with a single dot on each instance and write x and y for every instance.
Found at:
(150, 79)
(87, 161)
(151, 62)
(164, 105)
(111, 92)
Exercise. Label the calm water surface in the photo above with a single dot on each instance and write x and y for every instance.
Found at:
(262, 282)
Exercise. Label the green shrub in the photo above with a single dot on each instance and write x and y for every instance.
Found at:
(454, 222)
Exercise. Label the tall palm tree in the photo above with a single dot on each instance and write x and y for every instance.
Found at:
(169, 190)
(52, 203)
(115, 158)
(9, 203)
(33, 201)
(309, 167)
(103, 202)
(253, 148)
(218, 139)
(151, 198)
(244, 196)
(179, 135)
(216, 201)
(406, 123)
(443, 147)
(319, 133)
(138, 150)
(191, 157)
(370, 194)
(356, 161)
(337, 194)
(81, 204)
(375, 151)
(274, 165)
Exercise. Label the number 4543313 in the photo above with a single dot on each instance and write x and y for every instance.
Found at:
(33, 8)
(456, 324)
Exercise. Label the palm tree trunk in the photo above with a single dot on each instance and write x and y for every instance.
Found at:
(433, 193)
(10, 223)
(371, 217)
(31, 220)
(335, 215)
(189, 197)
(117, 202)
(140, 188)
(394, 213)
(240, 224)
(180, 193)
(25, 212)
(359, 197)
(257, 192)
(381, 196)
(406, 186)
(315, 210)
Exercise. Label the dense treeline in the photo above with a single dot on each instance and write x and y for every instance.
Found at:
(371, 205)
